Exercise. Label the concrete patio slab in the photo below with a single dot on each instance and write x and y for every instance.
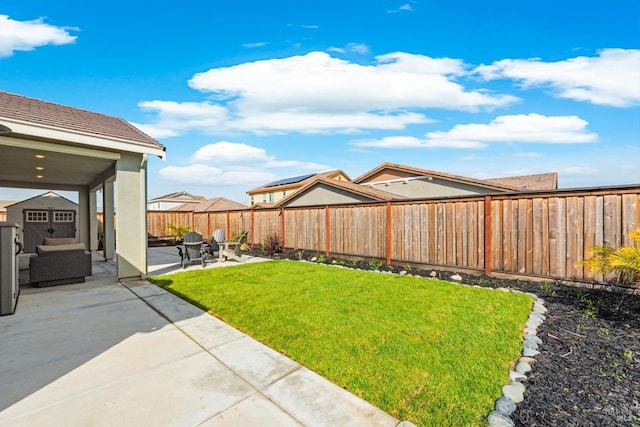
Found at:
(318, 402)
(255, 411)
(211, 332)
(254, 361)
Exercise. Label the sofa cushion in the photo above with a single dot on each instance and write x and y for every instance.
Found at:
(57, 248)
(51, 241)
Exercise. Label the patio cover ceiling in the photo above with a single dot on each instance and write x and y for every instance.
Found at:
(80, 147)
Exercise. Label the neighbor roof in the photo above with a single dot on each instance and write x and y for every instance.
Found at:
(424, 172)
(217, 204)
(35, 111)
(178, 197)
(542, 181)
(5, 203)
(374, 194)
(296, 181)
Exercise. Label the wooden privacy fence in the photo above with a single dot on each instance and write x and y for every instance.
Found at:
(543, 234)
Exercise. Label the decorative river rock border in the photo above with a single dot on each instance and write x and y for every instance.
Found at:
(513, 393)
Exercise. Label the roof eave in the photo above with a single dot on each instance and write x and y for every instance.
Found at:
(19, 127)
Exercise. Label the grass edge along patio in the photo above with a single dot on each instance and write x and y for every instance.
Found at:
(428, 351)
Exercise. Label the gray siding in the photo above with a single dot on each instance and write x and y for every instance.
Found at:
(423, 188)
(325, 195)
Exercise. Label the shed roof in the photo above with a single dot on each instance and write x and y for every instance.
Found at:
(48, 194)
(179, 196)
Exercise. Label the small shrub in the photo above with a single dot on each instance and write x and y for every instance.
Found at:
(273, 244)
(236, 236)
(375, 264)
(321, 259)
(623, 262)
(178, 231)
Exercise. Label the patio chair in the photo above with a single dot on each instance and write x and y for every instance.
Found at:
(216, 240)
(232, 249)
(193, 248)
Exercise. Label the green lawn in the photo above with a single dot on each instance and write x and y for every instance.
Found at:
(427, 351)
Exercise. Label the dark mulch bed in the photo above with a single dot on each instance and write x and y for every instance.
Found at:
(588, 369)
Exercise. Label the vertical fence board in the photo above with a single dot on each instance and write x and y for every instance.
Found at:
(497, 243)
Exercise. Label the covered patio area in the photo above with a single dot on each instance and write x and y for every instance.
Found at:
(50, 146)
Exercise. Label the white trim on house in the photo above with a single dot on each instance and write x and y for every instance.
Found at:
(58, 148)
(74, 136)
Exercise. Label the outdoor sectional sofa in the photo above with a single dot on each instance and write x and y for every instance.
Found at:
(59, 261)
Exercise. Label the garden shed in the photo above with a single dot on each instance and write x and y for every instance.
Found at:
(46, 215)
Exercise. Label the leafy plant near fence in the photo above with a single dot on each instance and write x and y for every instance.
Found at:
(623, 262)
(178, 230)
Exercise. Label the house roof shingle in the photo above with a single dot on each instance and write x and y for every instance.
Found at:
(542, 181)
(273, 186)
(217, 204)
(35, 111)
(374, 194)
(422, 172)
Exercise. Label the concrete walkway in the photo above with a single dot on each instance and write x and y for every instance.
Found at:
(108, 353)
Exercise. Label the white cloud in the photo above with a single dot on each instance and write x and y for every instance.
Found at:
(359, 48)
(235, 164)
(403, 8)
(317, 93)
(521, 128)
(27, 35)
(215, 177)
(175, 118)
(396, 142)
(254, 45)
(310, 27)
(611, 78)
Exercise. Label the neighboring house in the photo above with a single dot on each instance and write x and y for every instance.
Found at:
(327, 191)
(173, 200)
(3, 210)
(415, 183)
(217, 204)
(46, 215)
(269, 194)
(543, 181)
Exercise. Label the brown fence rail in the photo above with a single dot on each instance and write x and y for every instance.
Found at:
(544, 234)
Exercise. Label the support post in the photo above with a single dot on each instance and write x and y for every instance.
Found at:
(108, 220)
(388, 233)
(488, 234)
(327, 231)
(93, 221)
(282, 227)
(227, 227)
(252, 223)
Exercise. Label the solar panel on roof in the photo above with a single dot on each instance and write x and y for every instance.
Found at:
(291, 180)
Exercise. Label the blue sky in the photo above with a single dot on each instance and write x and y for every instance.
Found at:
(242, 93)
